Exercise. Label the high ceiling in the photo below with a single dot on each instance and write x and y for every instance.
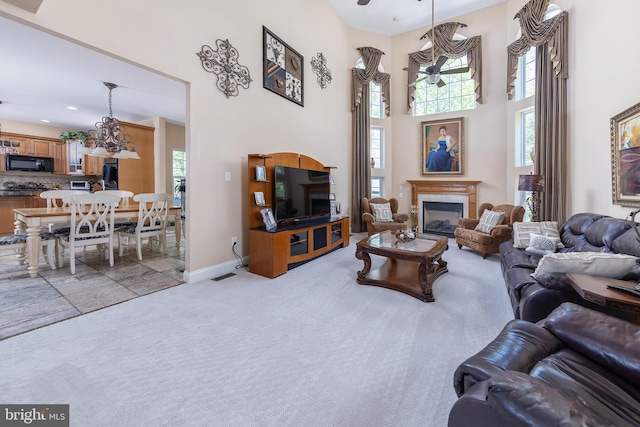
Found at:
(391, 17)
(41, 74)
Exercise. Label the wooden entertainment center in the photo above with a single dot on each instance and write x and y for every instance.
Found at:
(272, 253)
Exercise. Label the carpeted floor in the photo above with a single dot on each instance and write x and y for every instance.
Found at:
(309, 348)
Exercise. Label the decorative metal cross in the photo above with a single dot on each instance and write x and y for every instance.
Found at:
(223, 62)
(319, 66)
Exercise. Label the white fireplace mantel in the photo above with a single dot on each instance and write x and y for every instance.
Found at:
(426, 189)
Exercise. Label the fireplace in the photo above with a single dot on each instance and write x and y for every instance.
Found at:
(439, 204)
(441, 217)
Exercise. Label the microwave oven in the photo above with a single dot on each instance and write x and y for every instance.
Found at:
(29, 163)
(80, 185)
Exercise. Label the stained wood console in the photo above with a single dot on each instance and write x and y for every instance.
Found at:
(274, 253)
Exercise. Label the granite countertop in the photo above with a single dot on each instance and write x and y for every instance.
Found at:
(22, 192)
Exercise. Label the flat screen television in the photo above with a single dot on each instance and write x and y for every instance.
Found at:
(300, 193)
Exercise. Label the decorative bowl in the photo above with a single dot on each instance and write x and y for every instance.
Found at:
(405, 235)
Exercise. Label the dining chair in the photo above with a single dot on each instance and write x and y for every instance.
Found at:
(153, 213)
(55, 197)
(92, 221)
(123, 194)
(17, 243)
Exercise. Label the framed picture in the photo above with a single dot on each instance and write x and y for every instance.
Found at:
(442, 146)
(331, 180)
(332, 196)
(259, 196)
(625, 157)
(261, 173)
(283, 71)
(335, 208)
(268, 219)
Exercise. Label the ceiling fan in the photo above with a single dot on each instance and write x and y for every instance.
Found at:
(363, 2)
(432, 74)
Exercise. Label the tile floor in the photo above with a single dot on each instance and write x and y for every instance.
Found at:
(28, 303)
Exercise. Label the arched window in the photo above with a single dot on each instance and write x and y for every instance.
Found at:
(457, 94)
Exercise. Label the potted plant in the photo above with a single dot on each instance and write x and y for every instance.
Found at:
(79, 135)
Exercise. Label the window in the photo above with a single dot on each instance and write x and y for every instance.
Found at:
(179, 162)
(376, 147)
(526, 79)
(526, 137)
(376, 187)
(457, 94)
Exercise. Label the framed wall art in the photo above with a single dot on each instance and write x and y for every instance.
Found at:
(283, 68)
(625, 157)
(442, 146)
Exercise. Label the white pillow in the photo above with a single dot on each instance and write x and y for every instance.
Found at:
(522, 232)
(381, 212)
(613, 266)
(543, 243)
(488, 220)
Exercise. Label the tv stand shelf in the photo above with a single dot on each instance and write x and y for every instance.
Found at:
(272, 254)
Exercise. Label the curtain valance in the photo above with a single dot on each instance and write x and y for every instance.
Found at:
(445, 45)
(535, 32)
(371, 59)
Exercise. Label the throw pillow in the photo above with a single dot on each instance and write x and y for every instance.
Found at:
(613, 266)
(488, 220)
(542, 245)
(522, 232)
(381, 212)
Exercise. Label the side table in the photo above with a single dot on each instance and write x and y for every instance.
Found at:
(595, 290)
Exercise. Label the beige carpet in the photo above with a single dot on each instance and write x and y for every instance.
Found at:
(309, 348)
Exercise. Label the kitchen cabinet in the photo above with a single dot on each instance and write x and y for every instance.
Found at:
(29, 145)
(9, 203)
(138, 175)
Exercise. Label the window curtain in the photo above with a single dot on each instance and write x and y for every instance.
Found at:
(551, 39)
(361, 184)
(445, 45)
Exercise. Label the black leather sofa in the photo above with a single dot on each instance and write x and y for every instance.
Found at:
(533, 299)
(579, 368)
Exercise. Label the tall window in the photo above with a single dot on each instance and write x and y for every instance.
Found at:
(376, 187)
(527, 137)
(376, 147)
(376, 106)
(376, 134)
(457, 94)
(179, 162)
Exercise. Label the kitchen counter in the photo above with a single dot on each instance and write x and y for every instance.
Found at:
(22, 192)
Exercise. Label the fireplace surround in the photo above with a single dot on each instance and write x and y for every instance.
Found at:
(450, 193)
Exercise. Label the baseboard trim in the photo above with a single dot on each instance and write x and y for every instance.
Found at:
(212, 271)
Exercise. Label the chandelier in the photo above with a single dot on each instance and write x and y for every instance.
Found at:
(109, 138)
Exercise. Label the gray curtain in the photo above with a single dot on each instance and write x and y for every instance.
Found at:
(551, 38)
(445, 45)
(361, 183)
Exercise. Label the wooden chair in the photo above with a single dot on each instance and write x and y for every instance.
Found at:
(397, 220)
(153, 214)
(92, 223)
(17, 243)
(123, 194)
(488, 243)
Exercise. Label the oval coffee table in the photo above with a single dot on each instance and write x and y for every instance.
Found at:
(411, 267)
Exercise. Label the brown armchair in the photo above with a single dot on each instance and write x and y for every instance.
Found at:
(374, 226)
(488, 243)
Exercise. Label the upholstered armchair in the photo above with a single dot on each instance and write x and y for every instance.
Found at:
(381, 217)
(486, 237)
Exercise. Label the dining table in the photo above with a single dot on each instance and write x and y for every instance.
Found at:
(31, 221)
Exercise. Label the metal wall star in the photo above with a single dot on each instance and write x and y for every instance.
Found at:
(223, 62)
(319, 66)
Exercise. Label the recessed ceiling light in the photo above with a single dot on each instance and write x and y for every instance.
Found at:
(45, 121)
(70, 107)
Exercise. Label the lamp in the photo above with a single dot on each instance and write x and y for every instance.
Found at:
(534, 184)
(109, 137)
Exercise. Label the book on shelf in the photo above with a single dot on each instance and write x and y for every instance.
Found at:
(259, 196)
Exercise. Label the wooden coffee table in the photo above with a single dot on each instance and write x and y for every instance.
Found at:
(411, 267)
(595, 289)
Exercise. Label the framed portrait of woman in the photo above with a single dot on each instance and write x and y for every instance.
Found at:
(442, 146)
